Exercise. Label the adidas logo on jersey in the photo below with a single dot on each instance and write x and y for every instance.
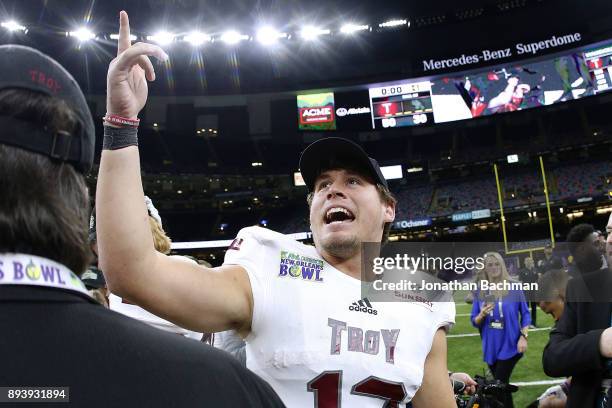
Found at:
(364, 306)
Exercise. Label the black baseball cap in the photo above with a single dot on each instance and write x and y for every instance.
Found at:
(27, 68)
(93, 278)
(325, 153)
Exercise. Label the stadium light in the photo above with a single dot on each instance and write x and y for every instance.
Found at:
(12, 25)
(352, 28)
(82, 34)
(196, 38)
(392, 172)
(116, 37)
(269, 35)
(233, 37)
(311, 32)
(393, 23)
(575, 214)
(603, 210)
(161, 37)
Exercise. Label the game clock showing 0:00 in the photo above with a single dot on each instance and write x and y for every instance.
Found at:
(398, 105)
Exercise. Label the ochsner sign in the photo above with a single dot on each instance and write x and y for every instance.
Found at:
(424, 222)
(503, 53)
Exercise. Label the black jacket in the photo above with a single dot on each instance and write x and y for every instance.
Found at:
(52, 337)
(528, 276)
(573, 348)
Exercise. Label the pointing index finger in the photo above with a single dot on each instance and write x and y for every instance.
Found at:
(124, 33)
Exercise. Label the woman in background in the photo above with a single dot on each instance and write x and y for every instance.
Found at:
(503, 318)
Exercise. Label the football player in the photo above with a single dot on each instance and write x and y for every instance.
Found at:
(308, 331)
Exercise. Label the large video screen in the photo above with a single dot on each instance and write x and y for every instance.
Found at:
(464, 95)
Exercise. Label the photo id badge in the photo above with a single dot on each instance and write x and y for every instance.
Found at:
(497, 324)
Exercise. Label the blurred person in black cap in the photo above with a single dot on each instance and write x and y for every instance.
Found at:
(529, 274)
(94, 282)
(580, 344)
(53, 332)
(308, 330)
(545, 264)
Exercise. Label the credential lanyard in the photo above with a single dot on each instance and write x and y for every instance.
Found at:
(501, 310)
(31, 270)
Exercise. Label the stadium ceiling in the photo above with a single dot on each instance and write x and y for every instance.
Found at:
(359, 38)
(150, 15)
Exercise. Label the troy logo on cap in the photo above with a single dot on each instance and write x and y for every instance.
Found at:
(44, 79)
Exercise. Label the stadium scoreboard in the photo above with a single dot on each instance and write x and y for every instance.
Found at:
(399, 105)
(599, 64)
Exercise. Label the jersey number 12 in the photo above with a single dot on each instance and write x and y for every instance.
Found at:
(327, 385)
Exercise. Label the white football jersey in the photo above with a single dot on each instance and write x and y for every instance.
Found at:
(231, 342)
(316, 341)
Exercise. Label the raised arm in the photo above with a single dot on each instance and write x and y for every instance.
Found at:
(189, 295)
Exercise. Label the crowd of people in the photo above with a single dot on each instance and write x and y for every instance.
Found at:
(293, 337)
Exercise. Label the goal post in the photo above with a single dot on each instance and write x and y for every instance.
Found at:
(502, 217)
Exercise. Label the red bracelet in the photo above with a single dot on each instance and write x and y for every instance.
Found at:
(121, 121)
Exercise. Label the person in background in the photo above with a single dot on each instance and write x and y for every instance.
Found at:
(503, 319)
(552, 286)
(93, 279)
(162, 244)
(529, 274)
(580, 344)
(466, 379)
(609, 249)
(609, 241)
(546, 263)
(551, 292)
(479, 275)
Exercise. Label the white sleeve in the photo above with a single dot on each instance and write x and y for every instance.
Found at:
(445, 315)
(231, 342)
(248, 251)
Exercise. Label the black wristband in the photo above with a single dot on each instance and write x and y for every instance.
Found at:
(118, 138)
